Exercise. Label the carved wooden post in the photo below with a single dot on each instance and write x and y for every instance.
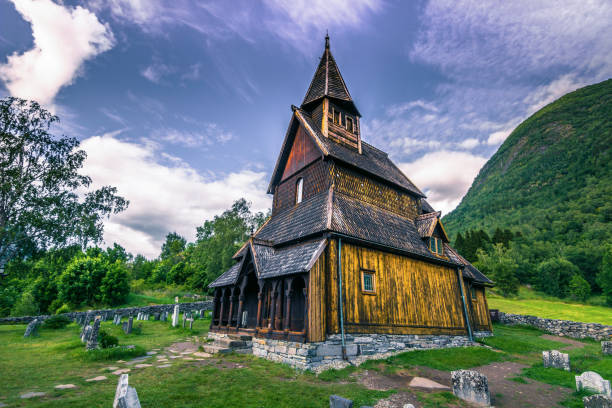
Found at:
(278, 321)
(272, 307)
(222, 307)
(259, 299)
(305, 304)
(287, 322)
(215, 307)
(229, 316)
(240, 305)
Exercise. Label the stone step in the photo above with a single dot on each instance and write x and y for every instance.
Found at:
(241, 337)
(246, 350)
(214, 349)
(230, 343)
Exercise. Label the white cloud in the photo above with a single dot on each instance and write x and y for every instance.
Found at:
(206, 135)
(166, 194)
(64, 38)
(468, 143)
(444, 176)
(497, 138)
(546, 94)
(399, 109)
(156, 71)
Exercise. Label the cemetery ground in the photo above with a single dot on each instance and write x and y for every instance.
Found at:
(173, 377)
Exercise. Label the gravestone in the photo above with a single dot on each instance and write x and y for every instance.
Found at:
(191, 323)
(556, 359)
(125, 396)
(597, 401)
(336, 401)
(471, 386)
(184, 319)
(202, 313)
(606, 348)
(86, 334)
(85, 323)
(164, 316)
(592, 381)
(175, 316)
(130, 324)
(31, 328)
(92, 341)
(156, 316)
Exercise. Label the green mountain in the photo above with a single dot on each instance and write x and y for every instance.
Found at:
(551, 180)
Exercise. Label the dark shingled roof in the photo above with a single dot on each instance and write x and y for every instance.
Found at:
(273, 262)
(328, 81)
(371, 160)
(228, 277)
(426, 223)
(426, 207)
(469, 270)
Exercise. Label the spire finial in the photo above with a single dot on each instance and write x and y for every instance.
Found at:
(326, 40)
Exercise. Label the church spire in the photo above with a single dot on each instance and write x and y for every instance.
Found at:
(328, 82)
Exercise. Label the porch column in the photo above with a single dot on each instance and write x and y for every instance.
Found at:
(229, 316)
(259, 299)
(287, 322)
(272, 307)
(222, 307)
(305, 307)
(240, 305)
(278, 322)
(215, 307)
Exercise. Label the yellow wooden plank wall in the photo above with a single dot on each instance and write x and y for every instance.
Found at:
(480, 319)
(317, 309)
(412, 296)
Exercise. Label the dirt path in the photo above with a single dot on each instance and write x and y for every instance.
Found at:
(571, 343)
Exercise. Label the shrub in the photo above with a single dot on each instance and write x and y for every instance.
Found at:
(554, 276)
(499, 266)
(25, 306)
(80, 282)
(114, 353)
(579, 288)
(63, 309)
(604, 277)
(115, 285)
(107, 340)
(56, 322)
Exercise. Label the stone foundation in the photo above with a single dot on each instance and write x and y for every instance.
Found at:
(324, 355)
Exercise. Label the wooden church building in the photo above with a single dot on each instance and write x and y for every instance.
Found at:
(352, 247)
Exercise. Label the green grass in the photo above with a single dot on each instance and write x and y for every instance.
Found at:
(439, 399)
(519, 340)
(529, 302)
(444, 359)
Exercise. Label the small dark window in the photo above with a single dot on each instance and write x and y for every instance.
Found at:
(367, 282)
(299, 190)
(349, 124)
(436, 245)
(336, 117)
(473, 293)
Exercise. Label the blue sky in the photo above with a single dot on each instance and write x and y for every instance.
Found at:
(183, 105)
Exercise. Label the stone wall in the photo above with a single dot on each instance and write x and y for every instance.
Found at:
(566, 328)
(321, 356)
(109, 313)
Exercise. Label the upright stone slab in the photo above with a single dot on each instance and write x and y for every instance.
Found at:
(202, 313)
(184, 319)
(86, 334)
(336, 401)
(92, 342)
(130, 324)
(606, 348)
(191, 323)
(175, 316)
(125, 396)
(471, 386)
(32, 328)
(556, 359)
(164, 316)
(597, 401)
(590, 380)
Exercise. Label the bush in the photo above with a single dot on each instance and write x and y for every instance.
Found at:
(604, 277)
(554, 276)
(80, 282)
(63, 309)
(579, 288)
(25, 306)
(115, 285)
(114, 353)
(107, 340)
(56, 322)
(500, 267)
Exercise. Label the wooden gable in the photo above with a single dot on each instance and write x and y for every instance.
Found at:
(302, 152)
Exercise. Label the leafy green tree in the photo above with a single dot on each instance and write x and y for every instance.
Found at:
(174, 245)
(604, 277)
(80, 282)
(117, 253)
(39, 180)
(115, 285)
(554, 276)
(500, 266)
(26, 305)
(579, 288)
(142, 268)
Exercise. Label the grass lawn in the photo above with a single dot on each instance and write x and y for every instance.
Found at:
(529, 302)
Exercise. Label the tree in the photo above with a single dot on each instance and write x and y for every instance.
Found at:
(604, 277)
(500, 266)
(174, 245)
(39, 180)
(579, 288)
(554, 276)
(115, 285)
(80, 282)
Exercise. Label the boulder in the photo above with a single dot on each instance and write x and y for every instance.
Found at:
(471, 386)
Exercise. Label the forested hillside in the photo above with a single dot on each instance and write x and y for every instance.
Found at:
(550, 185)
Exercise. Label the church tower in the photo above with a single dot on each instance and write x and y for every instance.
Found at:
(329, 102)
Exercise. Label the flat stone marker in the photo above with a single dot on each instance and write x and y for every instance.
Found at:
(597, 401)
(64, 386)
(592, 381)
(175, 357)
(408, 406)
(143, 365)
(111, 368)
(336, 401)
(125, 396)
(151, 353)
(98, 378)
(32, 394)
(201, 354)
(164, 366)
(122, 371)
(606, 348)
(556, 359)
(471, 386)
(421, 382)
(188, 358)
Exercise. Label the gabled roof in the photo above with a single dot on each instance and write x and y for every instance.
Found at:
(328, 81)
(426, 225)
(371, 160)
(469, 270)
(229, 277)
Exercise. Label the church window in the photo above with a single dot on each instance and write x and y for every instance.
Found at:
(436, 245)
(367, 281)
(349, 124)
(473, 293)
(299, 190)
(337, 118)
